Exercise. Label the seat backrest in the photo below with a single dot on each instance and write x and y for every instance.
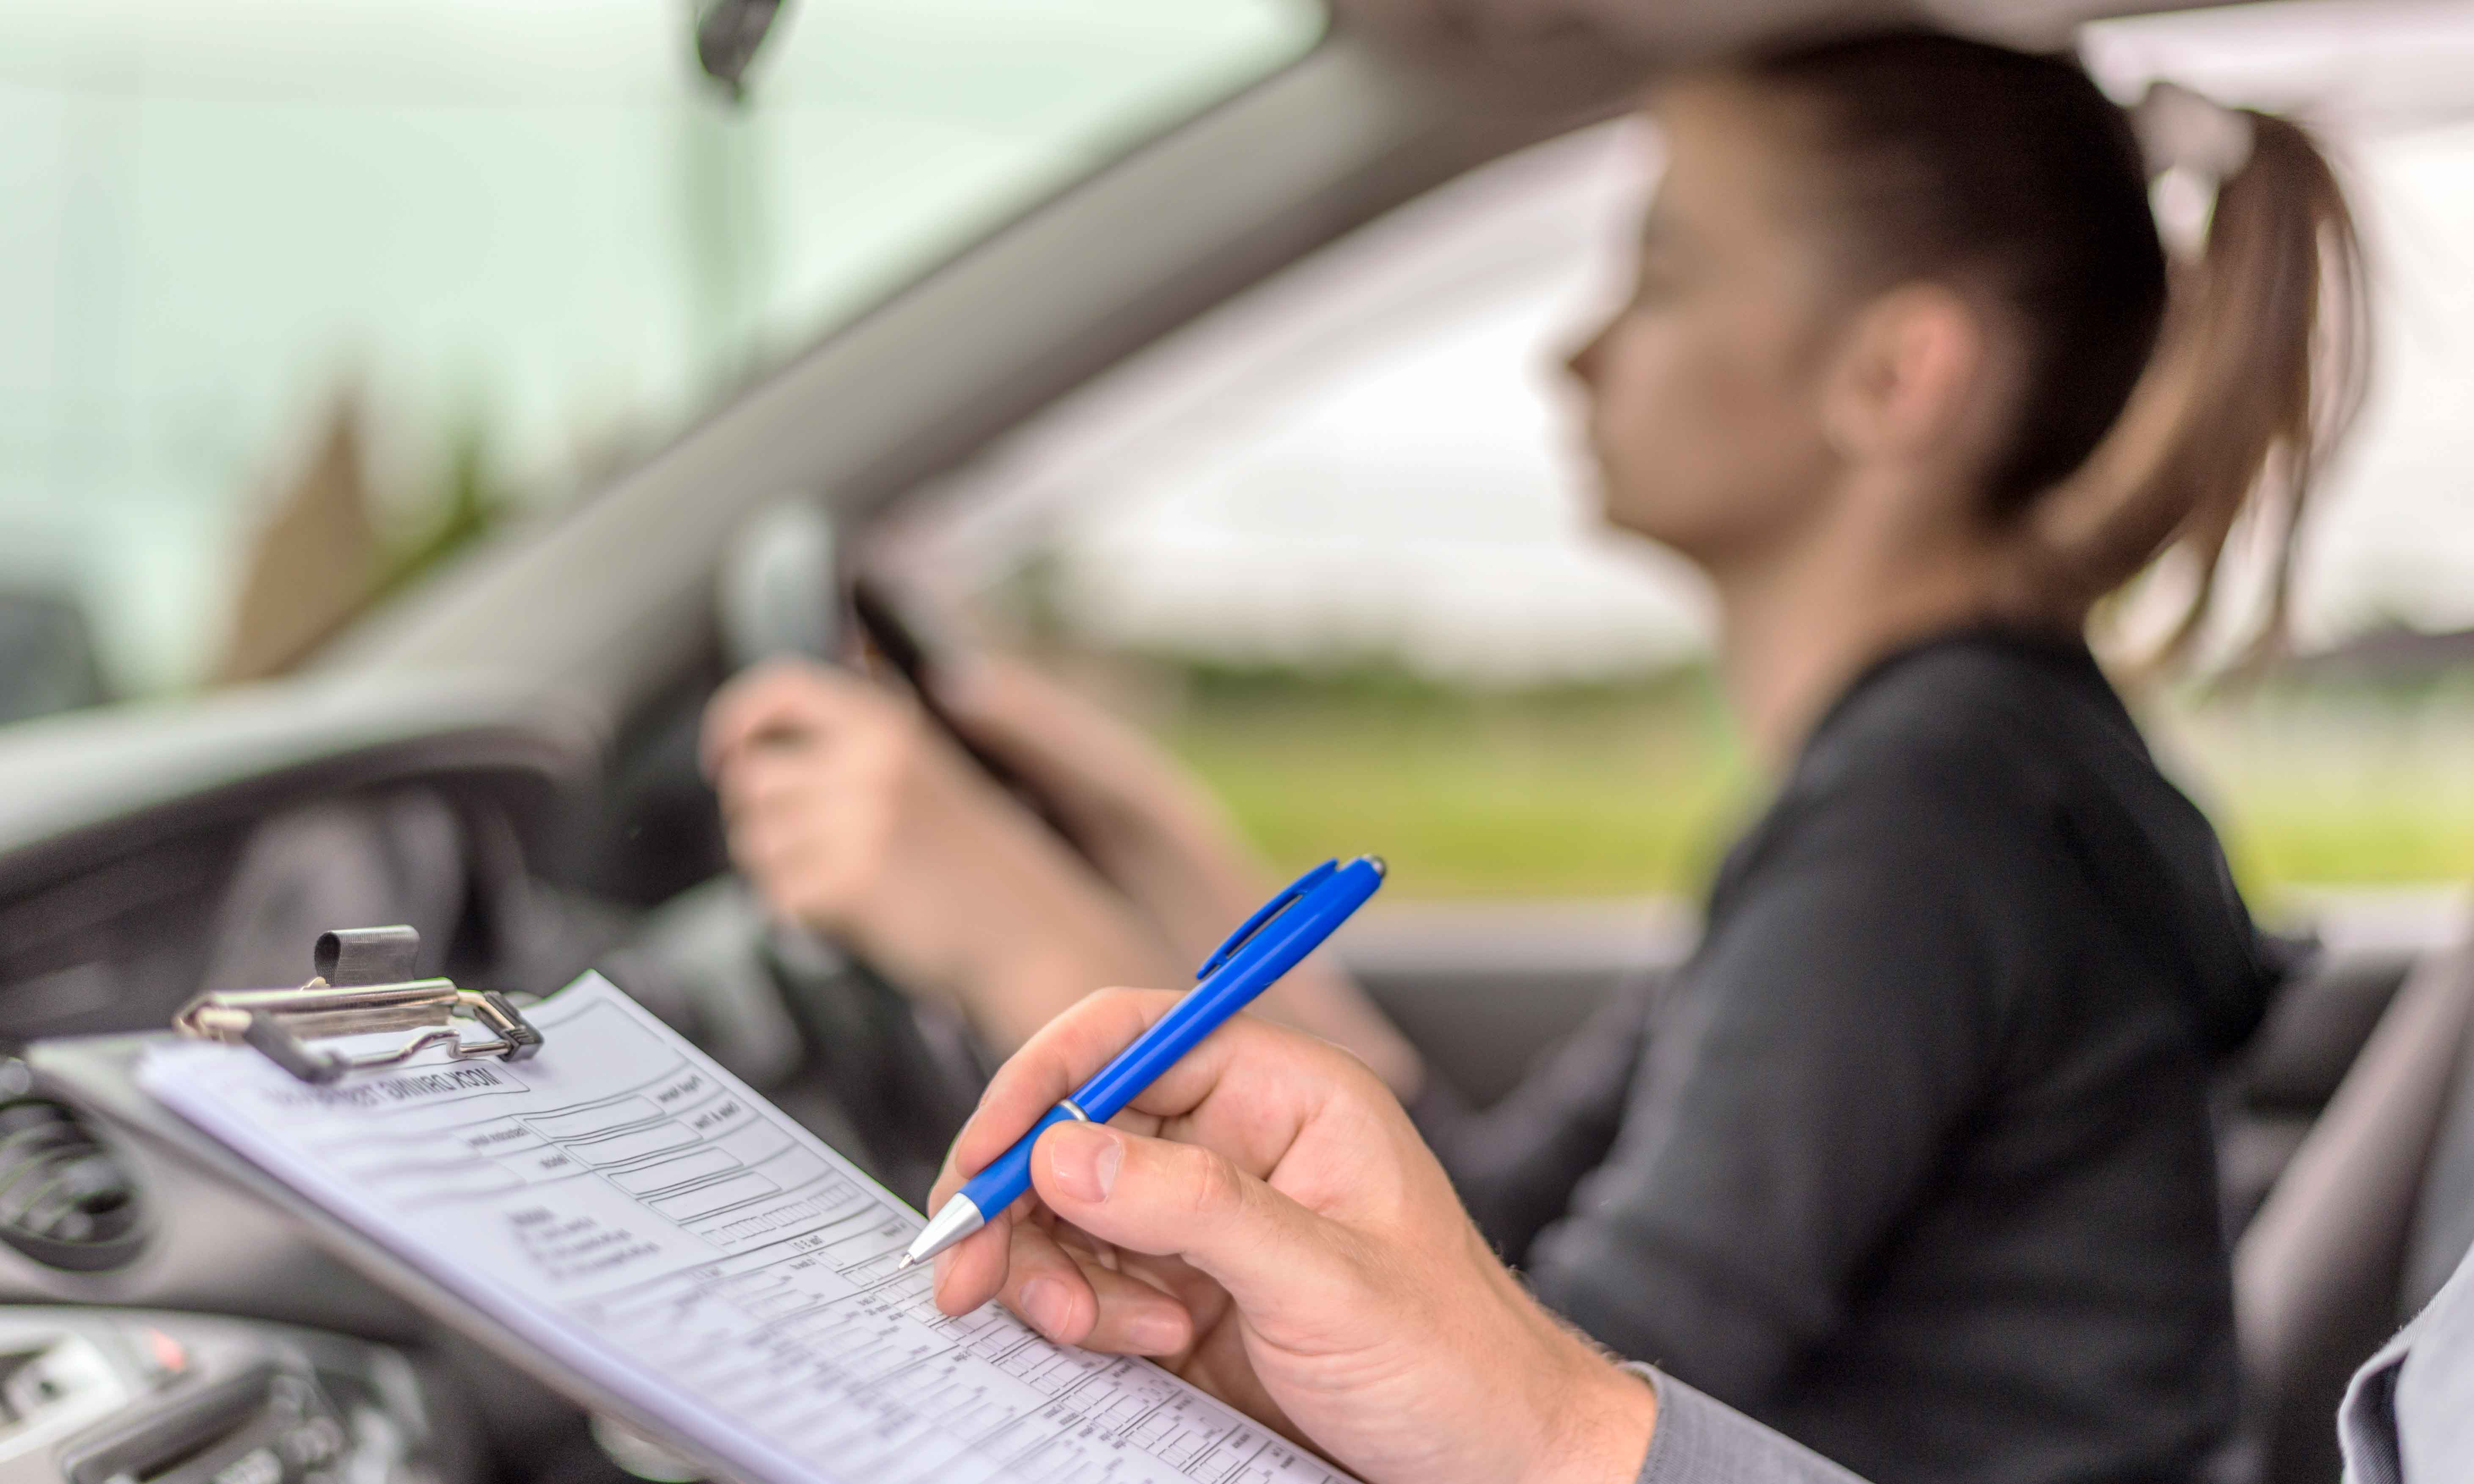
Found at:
(2271, 1095)
(2317, 1273)
(2444, 1217)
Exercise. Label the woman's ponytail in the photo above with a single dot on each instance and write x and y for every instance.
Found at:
(2259, 371)
(2164, 396)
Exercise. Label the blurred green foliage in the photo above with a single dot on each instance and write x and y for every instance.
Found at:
(2392, 841)
(2334, 784)
(1616, 789)
(1566, 790)
(469, 503)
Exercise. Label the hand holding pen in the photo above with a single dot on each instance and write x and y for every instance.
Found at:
(1264, 1221)
(1264, 947)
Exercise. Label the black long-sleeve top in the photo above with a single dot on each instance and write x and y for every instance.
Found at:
(1911, 1160)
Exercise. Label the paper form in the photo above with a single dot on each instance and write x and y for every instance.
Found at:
(636, 1211)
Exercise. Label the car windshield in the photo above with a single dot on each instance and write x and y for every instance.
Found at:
(297, 297)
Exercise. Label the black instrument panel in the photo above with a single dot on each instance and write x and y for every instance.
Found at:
(112, 1396)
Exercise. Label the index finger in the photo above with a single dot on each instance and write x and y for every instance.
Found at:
(1246, 1093)
(1063, 1056)
(1246, 1089)
(1059, 1058)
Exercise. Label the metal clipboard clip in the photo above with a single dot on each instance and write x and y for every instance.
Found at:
(364, 983)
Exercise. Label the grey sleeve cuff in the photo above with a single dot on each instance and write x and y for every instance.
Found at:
(1698, 1441)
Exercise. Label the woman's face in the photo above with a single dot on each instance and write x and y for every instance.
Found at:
(1705, 389)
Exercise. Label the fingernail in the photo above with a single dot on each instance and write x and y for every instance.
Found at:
(1156, 1334)
(1046, 1304)
(1083, 1159)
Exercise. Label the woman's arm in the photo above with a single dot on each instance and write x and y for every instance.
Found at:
(1797, 1089)
(1159, 837)
(850, 814)
(1515, 1162)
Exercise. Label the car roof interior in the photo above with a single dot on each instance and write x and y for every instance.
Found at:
(1402, 96)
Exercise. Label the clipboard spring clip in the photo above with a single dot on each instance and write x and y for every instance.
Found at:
(364, 983)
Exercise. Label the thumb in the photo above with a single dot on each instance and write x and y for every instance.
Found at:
(1167, 1199)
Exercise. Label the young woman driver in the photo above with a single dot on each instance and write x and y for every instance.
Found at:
(1912, 1160)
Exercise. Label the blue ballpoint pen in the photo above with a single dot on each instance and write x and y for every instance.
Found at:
(1268, 945)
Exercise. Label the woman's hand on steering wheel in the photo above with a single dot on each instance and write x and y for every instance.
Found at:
(851, 814)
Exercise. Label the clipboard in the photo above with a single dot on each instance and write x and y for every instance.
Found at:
(363, 983)
(765, 1326)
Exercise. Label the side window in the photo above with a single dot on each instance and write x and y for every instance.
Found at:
(1338, 541)
(2338, 776)
(293, 303)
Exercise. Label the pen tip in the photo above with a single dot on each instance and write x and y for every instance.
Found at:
(906, 1260)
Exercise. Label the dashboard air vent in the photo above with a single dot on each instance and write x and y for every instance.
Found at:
(64, 1200)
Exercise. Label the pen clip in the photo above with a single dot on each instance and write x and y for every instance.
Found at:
(1263, 917)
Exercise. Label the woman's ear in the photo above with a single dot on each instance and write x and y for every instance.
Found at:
(1907, 385)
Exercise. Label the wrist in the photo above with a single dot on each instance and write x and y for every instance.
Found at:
(1599, 1431)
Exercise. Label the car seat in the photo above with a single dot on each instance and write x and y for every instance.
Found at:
(2277, 1086)
(2321, 1274)
(2444, 1218)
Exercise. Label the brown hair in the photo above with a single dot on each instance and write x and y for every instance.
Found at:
(2161, 401)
